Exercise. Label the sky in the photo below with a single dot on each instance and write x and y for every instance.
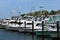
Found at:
(9, 8)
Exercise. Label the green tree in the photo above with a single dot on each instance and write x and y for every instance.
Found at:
(58, 11)
(52, 12)
(23, 14)
(45, 12)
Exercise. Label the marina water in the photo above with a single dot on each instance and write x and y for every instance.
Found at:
(13, 35)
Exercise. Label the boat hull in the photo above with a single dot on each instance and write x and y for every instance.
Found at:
(40, 33)
(11, 28)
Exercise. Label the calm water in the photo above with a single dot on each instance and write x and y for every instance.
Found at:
(10, 35)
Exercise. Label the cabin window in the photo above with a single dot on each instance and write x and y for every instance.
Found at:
(29, 23)
(38, 24)
(20, 23)
(5, 22)
(53, 26)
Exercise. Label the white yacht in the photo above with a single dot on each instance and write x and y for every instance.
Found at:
(52, 22)
(11, 25)
(5, 22)
(27, 26)
(37, 26)
(23, 23)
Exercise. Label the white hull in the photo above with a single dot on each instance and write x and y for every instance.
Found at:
(12, 27)
(21, 29)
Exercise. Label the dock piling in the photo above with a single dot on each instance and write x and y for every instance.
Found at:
(57, 30)
(25, 26)
(32, 30)
(42, 30)
(25, 29)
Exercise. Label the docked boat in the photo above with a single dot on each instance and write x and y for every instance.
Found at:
(5, 22)
(11, 25)
(50, 25)
(41, 31)
(23, 23)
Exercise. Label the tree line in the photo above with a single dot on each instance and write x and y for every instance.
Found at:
(43, 12)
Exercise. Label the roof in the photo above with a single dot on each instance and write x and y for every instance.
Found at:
(15, 16)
